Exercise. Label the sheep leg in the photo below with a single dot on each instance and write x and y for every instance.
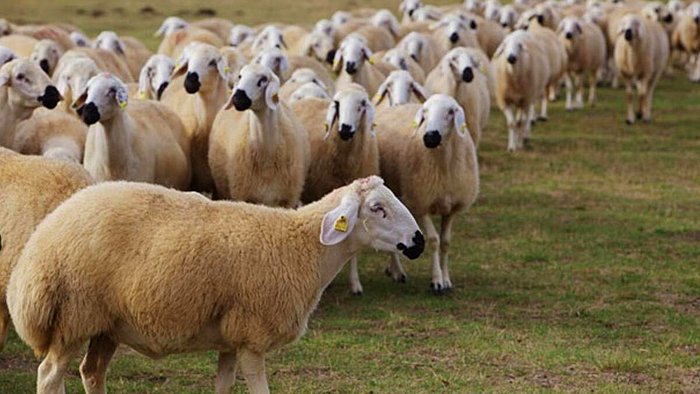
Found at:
(226, 374)
(510, 123)
(579, 90)
(52, 370)
(395, 269)
(592, 82)
(434, 243)
(93, 369)
(253, 369)
(642, 93)
(354, 277)
(445, 239)
(4, 325)
(543, 108)
(525, 130)
(569, 88)
(630, 104)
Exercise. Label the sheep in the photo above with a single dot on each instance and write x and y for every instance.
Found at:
(508, 16)
(316, 45)
(284, 66)
(396, 59)
(219, 26)
(587, 52)
(434, 170)
(6, 55)
(155, 77)
(385, 19)
(522, 73)
(53, 134)
(20, 44)
(258, 153)
(31, 188)
(252, 297)
(46, 55)
(352, 65)
(299, 78)
(80, 39)
(400, 88)
(174, 43)
(270, 37)
(71, 75)
(241, 36)
(686, 37)
(144, 141)
(106, 61)
(407, 8)
(452, 31)
(134, 53)
(23, 88)
(641, 54)
(197, 92)
(464, 74)
(307, 90)
(423, 49)
(170, 25)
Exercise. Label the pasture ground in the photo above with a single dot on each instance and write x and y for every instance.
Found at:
(577, 270)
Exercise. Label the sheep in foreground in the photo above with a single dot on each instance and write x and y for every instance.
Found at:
(31, 188)
(641, 54)
(522, 73)
(587, 51)
(353, 66)
(155, 77)
(23, 88)
(343, 146)
(464, 74)
(258, 153)
(224, 287)
(400, 88)
(52, 134)
(433, 167)
(144, 141)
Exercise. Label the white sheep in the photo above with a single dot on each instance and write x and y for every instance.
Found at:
(53, 134)
(423, 49)
(241, 35)
(243, 279)
(259, 152)
(46, 55)
(396, 59)
(270, 37)
(433, 166)
(315, 44)
(352, 63)
(299, 78)
(155, 77)
(143, 141)
(6, 55)
(400, 88)
(284, 65)
(307, 90)
(134, 53)
(454, 31)
(170, 25)
(686, 37)
(71, 75)
(80, 39)
(407, 8)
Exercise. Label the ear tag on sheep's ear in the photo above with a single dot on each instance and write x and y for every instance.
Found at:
(370, 61)
(142, 95)
(121, 99)
(341, 224)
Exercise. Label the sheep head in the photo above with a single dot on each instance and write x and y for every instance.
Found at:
(398, 87)
(203, 67)
(270, 37)
(352, 110)
(104, 97)
(109, 41)
(319, 46)
(351, 55)
(74, 76)
(28, 86)
(438, 117)
(257, 88)
(155, 76)
(308, 90)
(46, 54)
(274, 59)
(171, 25)
(460, 63)
(240, 34)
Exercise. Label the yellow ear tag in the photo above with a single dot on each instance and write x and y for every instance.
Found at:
(341, 224)
(142, 95)
(227, 69)
(376, 97)
(122, 105)
(414, 124)
(370, 61)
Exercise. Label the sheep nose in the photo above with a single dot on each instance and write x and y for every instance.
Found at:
(403, 65)
(697, 19)
(414, 251)
(410, 12)
(161, 89)
(330, 56)
(89, 113)
(44, 64)
(241, 100)
(415, 57)
(467, 74)
(628, 35)
(346, 132)
(432, 139)
(192, 84)
(454, 37)
(473, 25)
(668, 18)
(350, 67)
(569, 35)
(50, 98)
(512, 59)
(504, 24)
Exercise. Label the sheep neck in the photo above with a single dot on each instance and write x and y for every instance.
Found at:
(107, 157)
(11, 113)
(208, 100)
(264, 127)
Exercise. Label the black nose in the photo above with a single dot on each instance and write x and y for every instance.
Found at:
(50, 98)
(569, 36)
(697, 19)
(512, 59)
(432, 139)
(473, 25)
(628, 35)
(44, 64)
(668, 18)
(161, 89)
(414, 251)
(192, 84)
(504, 24)
(89, 113)
(350, 67)
(467, 74)
(346, 132)
(330, 56)
(410, 13)
(454, 37)
(241, 100)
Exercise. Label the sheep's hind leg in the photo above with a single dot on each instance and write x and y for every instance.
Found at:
(579, 90)
(253, 369)
(510, 123)
(354, 278)
(434, 243)
(445, 239)
(642, 93)
(93, 369)
(395, 269)
(592, 83)
(630, 104)
(569, 88)
(543, 109)
(226, 374)
(52, 370)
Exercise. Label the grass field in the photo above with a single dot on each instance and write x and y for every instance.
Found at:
(577, 270)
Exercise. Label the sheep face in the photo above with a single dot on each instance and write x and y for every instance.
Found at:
(409, 7)
(385, 223)
(340, 18)
(308, 90)
(351, 55)
(240, 34)
(79, 39)
(694, 11)
(461, 64)
(398, 88)
(512, 47)
(256, 89)
(396, 58)
(270, 37)
(325, 27)
(155, 76)
(6, 55)
(320, 47)
(385, 19)
(453, 28)
(109, 41)
(352, 110)
(274, 59)
(5, 28)
(427, 14)
(203, 67)
(103, 98)
(630, 28)
(493, 12)
(413, 44)
(74, 77)
(570, 28)
(441, 115)
(306, 75)
(508, 17)
(171, 25)
(28, 86)
(657, 11)
(46, 54)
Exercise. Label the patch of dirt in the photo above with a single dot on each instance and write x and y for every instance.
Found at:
(148, 10)
(685, 305)
(17, 362)
(205, 12)
(96, 13)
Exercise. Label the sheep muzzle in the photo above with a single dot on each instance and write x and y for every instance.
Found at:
(512, 59)
(432, 139)
(346, 132)
(467, 75)
(629, 35)
(330, 56)
(50, 98)
(413, 252)
(161, 89)
(192, 83)
(241, 100)
(351, 67)
(89, 113)
(44, 65)
(454, 37)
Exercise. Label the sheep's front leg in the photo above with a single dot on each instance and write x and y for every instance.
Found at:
(510, 123)
(253, 370)
(642, 93)
(579, 90)
(52, 370)
(354, 277)
(226, 373)
(4, 324)
(525, 129)
(395, 269)
(630, 103)
(569, 89)
(543, 108)
(592, 85)
(445, 239)
(434, 243)
(93, 369)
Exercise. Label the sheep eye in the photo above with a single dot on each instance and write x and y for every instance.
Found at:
(20, 77)
(212, 63)
(378, 209)
(451, 112)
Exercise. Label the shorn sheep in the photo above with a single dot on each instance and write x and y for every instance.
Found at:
(243, 283)
(31, 188)
(433, 167)
(641, 54)
(23, 88)
(144, 141)
(258, 152)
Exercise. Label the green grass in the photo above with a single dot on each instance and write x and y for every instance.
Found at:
(577, 270)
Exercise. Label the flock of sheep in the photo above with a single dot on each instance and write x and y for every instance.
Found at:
(295, 124)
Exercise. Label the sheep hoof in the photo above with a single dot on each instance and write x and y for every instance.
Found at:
(437, 288)
(401, 278)
(542, 118)
(533, 122)
(357, 293)
(629, 121)
(639, 115)
(527, 143)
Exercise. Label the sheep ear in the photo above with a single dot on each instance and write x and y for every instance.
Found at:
(5, 78)
(331, 117)
(121, 97)
(367, 54)
(144, 81)
(271, 97)
(459, 122)
(578, 28)
(161, 30)
(80, 101)
(120, 47)
(419, 91)
(473, 25)
(418, 120)
(338, 61)
(283, 64)
(369, 118)
(339, 223)
(222, 67)
(284, 44)
(499, 51)
(180, 66)
(382, 92)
